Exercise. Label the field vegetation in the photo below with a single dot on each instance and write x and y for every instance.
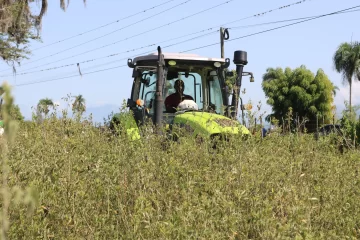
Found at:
(63, 178)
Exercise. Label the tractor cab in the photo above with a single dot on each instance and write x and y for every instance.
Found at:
(200, 102)
(203, 79)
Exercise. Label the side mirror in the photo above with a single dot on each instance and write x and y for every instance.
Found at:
(146, 81)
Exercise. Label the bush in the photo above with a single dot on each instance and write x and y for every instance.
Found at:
(78, 182)
(89, 186)
(351, 124)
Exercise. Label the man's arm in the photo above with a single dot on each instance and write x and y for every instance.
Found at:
(187, 97)
(169, 101)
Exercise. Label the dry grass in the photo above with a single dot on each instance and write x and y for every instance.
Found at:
(65, 179)
(87, 186)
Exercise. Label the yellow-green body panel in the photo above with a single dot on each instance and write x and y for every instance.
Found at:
(133, 133)
(204, 124)
(207, 124)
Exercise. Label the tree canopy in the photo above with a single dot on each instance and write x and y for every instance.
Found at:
(19, 25)
(307, 94)
(15, 112)
(44, 105)
(346, 60)
(79, 104)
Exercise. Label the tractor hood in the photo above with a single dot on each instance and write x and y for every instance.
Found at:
(208, 124)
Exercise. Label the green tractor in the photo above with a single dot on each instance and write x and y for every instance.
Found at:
(185, 91)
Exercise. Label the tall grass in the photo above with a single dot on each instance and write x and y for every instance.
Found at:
(86, 184)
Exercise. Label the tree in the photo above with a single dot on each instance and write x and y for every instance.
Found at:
(44, 105)
(347, 61)
(18, 25)
(230, 81)
(15, 112)
(308, 95)
(79, 104)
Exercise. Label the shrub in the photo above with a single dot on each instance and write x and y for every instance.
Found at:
(86, 184)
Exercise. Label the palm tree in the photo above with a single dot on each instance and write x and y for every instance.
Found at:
(79, 104)
(44, 105)
(336, 88)
(347, 61)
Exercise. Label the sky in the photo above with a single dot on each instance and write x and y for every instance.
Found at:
(311, 43)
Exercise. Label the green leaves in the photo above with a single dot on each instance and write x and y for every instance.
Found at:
(44, 105)
(347, 62)
(79, 104)
(300, 89)
(87, 186)
(19, 24)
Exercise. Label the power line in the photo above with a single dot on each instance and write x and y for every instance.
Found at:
(238, 20)
(56, 79)
(177, 43)
(111, 55)
(107, 45)
(281, 21)
(30, 83)
(112, 32)
(105, 25)
(268, 30)
(208, 29)
(263, 13)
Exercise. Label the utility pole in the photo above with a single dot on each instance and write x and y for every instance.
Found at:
(222, 42)
(224, 35)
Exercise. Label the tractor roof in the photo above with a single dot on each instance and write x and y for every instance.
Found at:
(178, 56)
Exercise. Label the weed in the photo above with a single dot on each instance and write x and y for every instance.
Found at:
(95, 185)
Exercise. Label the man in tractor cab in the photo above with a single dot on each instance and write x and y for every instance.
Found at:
(173, 100)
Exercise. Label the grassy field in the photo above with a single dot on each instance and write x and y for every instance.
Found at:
(68, 180)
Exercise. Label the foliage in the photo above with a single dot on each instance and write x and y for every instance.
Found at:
(10, 195)
(15, 112)
(79, 104)
(254, 117)
(19, 25)
(44, 105)
(347, 61)
(89, 184)
(122, 120)
(307, 94)
(350, 124)
(231, 81)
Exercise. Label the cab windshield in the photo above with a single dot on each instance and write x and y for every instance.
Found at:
(202, 87)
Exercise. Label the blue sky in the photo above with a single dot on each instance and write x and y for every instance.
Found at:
(311, 43)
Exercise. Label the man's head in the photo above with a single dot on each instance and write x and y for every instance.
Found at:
(179, 86)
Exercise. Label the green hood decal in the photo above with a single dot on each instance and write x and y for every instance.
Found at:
(207, 124)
